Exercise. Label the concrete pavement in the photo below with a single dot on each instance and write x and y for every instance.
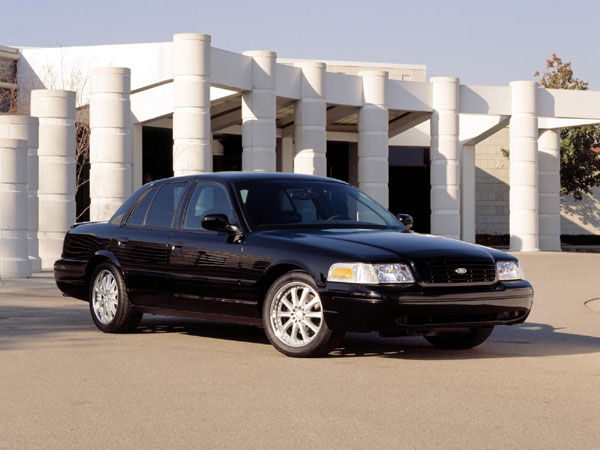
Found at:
(190, 384)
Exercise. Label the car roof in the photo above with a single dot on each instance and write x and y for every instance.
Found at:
(249, 176)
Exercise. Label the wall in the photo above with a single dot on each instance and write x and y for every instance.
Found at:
(402, 72)
(580, 217)
(491, 196)
(491, 178)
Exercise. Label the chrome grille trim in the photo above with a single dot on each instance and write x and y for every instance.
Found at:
(442, 272)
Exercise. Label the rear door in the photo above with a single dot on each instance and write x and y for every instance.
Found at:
(141, 245)
(205, 264)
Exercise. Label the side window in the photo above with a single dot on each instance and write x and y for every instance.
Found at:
(136, 218)
(164, 205)
(207, 198)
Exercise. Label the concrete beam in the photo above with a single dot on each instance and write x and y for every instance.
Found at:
(409, 96)
(226, 119)
(335, 113)
(406, 122)
(476, 128)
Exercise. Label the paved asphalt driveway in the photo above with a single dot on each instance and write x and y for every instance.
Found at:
(190, 384)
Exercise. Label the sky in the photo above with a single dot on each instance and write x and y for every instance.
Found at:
(481, 42)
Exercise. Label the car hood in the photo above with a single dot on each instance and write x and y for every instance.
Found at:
(381, 245)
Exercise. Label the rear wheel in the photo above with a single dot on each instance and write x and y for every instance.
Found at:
(461, 339)
(293, 317)
(109, 304)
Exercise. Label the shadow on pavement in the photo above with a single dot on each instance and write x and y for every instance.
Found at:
(525, 340)
(21, 325)
(227, 331)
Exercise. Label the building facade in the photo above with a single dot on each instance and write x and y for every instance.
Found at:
(427, 147)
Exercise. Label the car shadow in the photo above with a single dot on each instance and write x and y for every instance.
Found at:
(22, 325)
(524, 340)
(200, 328)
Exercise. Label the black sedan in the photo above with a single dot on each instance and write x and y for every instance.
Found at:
(307, 258)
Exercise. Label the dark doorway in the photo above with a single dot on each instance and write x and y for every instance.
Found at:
(409, 185)
(337, 160)
(157, 155)
(231, 159)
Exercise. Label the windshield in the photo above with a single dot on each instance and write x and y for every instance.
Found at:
(272, 204)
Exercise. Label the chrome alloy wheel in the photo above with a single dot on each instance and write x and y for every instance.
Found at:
(105, 297)
(296, 314)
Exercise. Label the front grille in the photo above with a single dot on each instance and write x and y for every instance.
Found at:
(444, 271)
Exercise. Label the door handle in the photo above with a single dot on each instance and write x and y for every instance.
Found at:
(176, 246)
(122, 241)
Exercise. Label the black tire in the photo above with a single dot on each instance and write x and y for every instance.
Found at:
(320, 342)
(125, 319)
(460, 340)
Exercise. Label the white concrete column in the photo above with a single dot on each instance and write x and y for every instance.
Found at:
(191, 104)
(549, 189)
(373, 147)
(445, 155)
(26, 128)
(259, 107)
(310, 138)
(523, 167)
(14, 262)
(467, 191)
(56, 113)
(111, 153)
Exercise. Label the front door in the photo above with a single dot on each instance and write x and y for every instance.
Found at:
(205, 264)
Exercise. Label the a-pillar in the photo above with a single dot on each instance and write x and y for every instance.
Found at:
(56, 113)
(549, 189)
(310, 139)
(258, 115)
(191, 104)
(523, 167)
(467, 191)
(445, 155)
(14, 262)
(373, 147)
(111, 153)
(26, 128)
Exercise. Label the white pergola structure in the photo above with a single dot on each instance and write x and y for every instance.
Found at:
(199, 90)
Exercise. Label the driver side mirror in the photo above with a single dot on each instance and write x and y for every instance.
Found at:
(406, 220)
(219, 222)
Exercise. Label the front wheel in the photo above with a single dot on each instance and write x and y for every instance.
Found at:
(109, 304)
(461, 339)
(293, 317)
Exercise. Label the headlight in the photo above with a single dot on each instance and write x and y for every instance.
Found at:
(509, 270)
(361, 273)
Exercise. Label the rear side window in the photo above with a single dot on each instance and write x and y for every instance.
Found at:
(126, 207)
(164, 205)
(136, 218)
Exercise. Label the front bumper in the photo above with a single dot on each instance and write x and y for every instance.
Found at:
(415, 308)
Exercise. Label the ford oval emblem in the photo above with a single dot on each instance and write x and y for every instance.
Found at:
(461, 270)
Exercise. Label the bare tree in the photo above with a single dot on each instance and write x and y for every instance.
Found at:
(17, 100)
